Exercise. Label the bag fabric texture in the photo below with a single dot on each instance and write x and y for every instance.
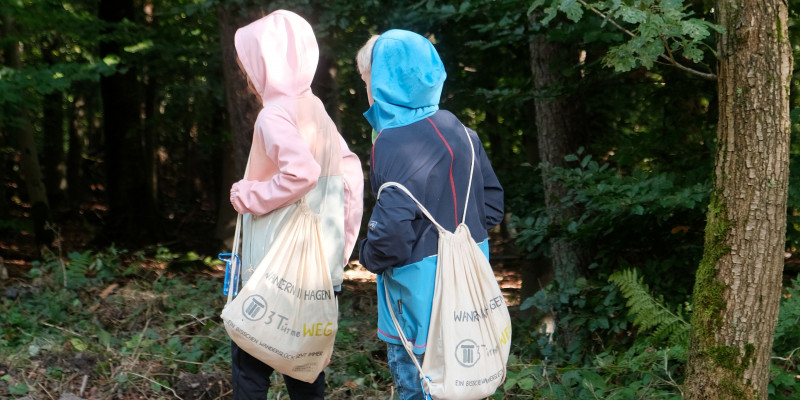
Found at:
(469, 335)
(286, 315)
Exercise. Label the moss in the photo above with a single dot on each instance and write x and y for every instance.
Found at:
(732, 359)
(710, 304)
(731, 388)
(708, 290)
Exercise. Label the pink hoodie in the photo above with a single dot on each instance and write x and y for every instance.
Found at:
(279, 54)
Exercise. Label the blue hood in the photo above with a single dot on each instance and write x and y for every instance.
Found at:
(407, 77)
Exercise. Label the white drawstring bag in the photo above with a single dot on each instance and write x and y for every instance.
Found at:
(469, 338)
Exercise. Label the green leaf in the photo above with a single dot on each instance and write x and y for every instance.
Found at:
(78, 344)
(20, 389)
(632, 15)
(573, 10)
(526, 383)
(509, 384)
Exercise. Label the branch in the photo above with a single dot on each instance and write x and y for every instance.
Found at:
(670, 59)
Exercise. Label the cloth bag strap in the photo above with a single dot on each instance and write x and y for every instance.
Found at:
(236, 239)
(421, 207)
(406, 344)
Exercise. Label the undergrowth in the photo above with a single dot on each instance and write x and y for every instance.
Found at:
(120, 325)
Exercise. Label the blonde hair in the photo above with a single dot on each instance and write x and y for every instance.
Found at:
(364, 55)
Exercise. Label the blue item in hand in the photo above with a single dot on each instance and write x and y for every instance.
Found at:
(231, 272)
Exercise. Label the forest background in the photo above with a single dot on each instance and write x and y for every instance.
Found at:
(123, 124)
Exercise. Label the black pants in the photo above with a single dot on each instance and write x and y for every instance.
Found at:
(251, 379)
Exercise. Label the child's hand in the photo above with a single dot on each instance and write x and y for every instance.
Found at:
(237, 191)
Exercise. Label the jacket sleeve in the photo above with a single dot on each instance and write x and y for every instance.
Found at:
(298, 172)
(492, 192)
(353, 197)
(390, 235)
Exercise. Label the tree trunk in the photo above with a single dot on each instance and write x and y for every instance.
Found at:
(129, 216)
(77, 136)
(31, 169)
(558, 113)
(738, 286)
(150, 134)
(243, 108)
(53, 129)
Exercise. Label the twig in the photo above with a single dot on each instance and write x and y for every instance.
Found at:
(789, 357)
(646, 389)
(83, 385)
(196, 321)
(136, 352)
(61, 329)
(158, 383)
(45, 390)
(591, 389)
(159, 356)
(670, 59)
(671, 380)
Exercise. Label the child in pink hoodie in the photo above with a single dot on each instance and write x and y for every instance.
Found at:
(296, 147)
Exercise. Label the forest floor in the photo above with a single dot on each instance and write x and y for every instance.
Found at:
(358, 351)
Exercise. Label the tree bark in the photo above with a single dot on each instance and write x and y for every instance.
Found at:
(738, 286)
(243, 108)
(129, 216)
(558, 113)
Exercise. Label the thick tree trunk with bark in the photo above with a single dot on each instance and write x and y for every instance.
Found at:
(738, 286)
(243, 108)
(558, 122)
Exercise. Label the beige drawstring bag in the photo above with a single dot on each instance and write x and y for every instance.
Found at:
(286, 315)
(469, 338)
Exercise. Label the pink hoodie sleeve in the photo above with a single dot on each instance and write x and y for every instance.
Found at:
(297, 174)
(353, 197)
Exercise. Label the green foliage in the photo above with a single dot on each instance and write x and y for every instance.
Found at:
(638, 371)
(170, 321)
(656, 29)
(648, 312)
(641, 218)
(587, 317)
(785, 368)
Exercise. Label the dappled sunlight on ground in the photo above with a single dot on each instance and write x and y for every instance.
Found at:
(509, 280)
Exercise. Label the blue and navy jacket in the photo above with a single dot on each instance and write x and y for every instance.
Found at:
(426, 150)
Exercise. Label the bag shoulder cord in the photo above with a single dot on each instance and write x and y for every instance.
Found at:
(406, 344)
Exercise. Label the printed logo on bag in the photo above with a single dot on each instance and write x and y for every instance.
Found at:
(467, 353)
(254, 307)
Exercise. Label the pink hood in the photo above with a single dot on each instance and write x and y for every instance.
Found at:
(279, 53)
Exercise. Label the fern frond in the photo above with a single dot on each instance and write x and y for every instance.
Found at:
(648, 312)
(78, 267)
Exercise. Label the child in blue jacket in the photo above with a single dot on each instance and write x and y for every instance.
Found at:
(426, 150)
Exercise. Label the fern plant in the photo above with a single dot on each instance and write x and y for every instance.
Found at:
(649, 312)
(78, 268)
